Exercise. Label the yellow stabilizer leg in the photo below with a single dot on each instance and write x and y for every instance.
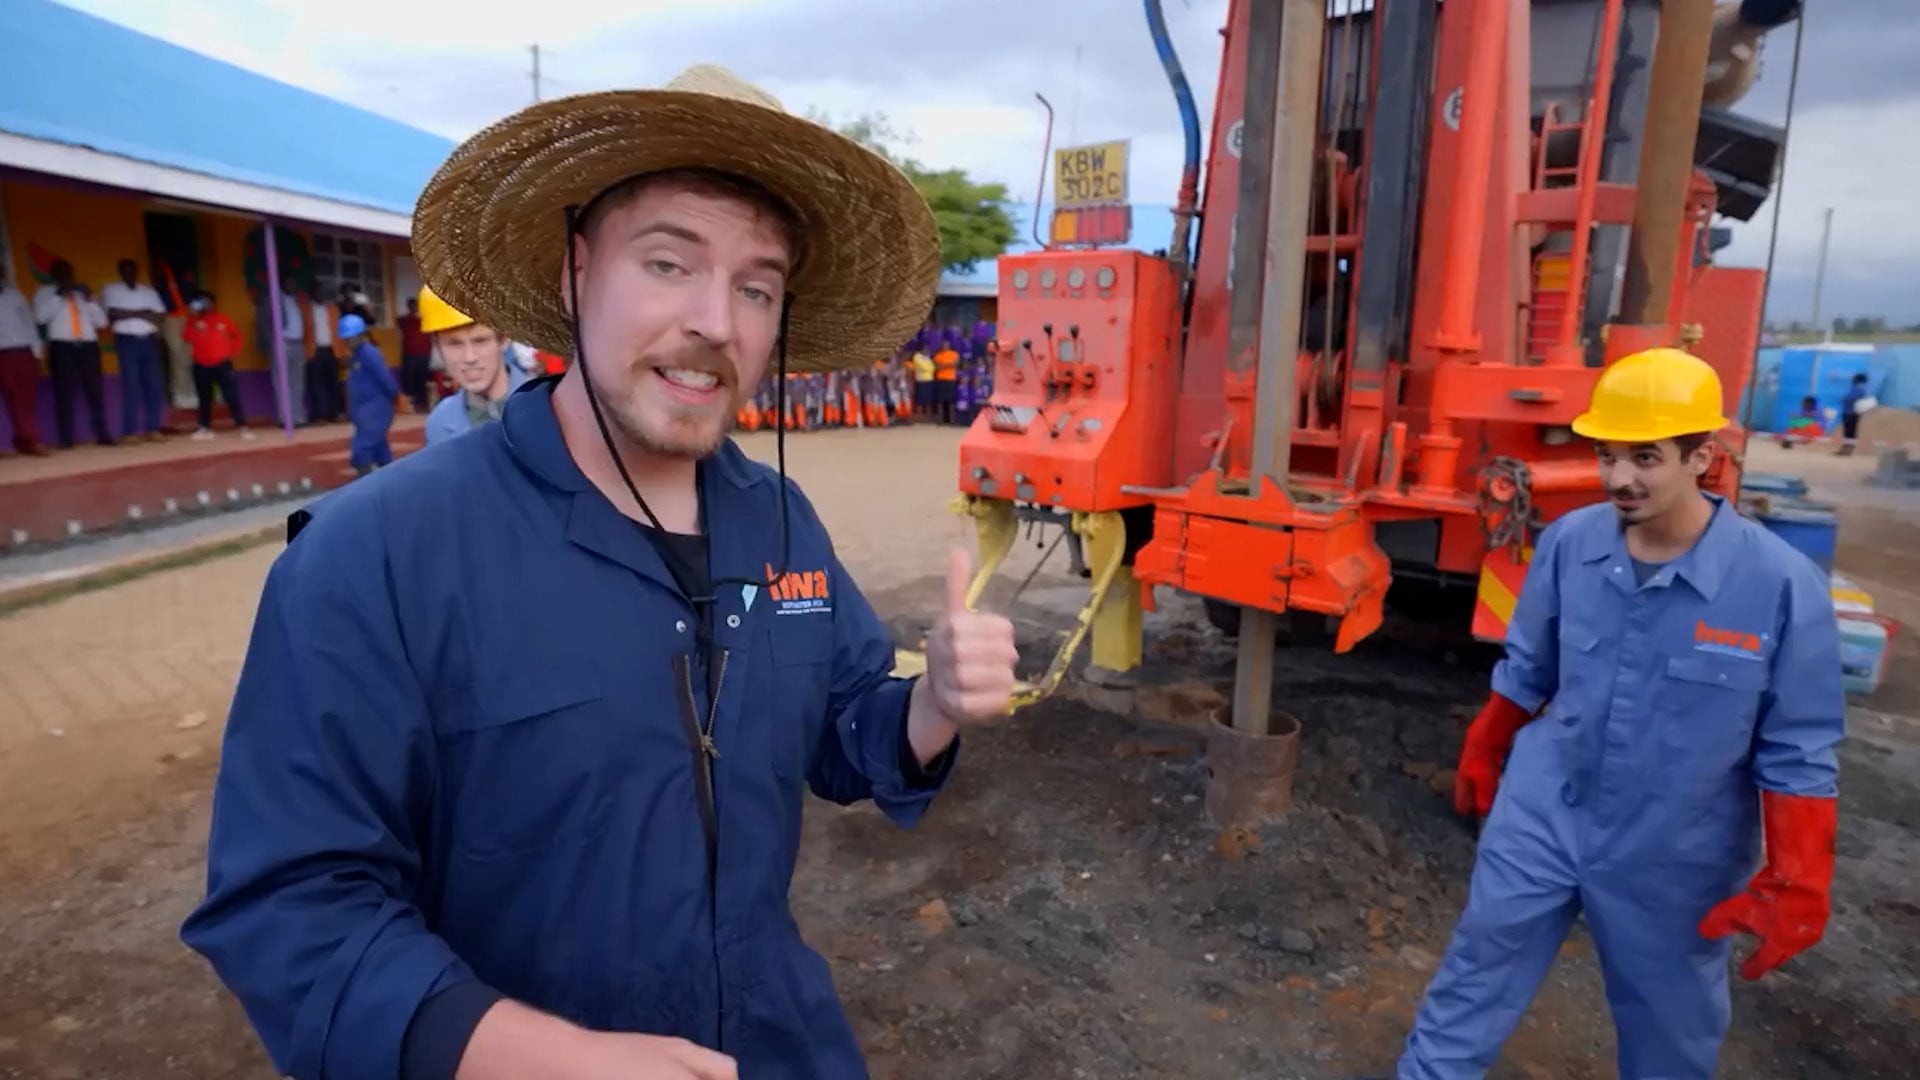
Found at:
(1105, 535)
(994, 520)
(1117, 629)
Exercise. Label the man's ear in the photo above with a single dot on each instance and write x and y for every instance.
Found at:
(1702, 458)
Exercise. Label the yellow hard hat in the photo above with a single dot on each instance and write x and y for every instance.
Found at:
(437, 315)
(1653, 395)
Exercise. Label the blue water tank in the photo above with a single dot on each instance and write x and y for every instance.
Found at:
(1822, 372)
(1809, 527)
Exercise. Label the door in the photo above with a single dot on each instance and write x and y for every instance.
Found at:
(173, 254)
(173, 268)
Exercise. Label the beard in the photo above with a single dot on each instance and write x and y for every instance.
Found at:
(658, 426)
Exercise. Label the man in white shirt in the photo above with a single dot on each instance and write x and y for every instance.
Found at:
(326, 400)
(19, 366)
(136, 312)
(73, 321)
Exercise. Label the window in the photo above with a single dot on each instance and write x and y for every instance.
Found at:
(354, 262)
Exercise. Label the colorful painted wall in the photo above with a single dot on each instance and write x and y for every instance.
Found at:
(94, 231)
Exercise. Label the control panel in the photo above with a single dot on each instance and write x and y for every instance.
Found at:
(1086, 372)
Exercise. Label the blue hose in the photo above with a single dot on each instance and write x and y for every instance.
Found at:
(1189, 113)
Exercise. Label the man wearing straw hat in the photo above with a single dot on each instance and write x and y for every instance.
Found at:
(513, 776)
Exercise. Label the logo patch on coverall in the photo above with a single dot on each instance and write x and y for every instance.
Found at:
(1727, 642)
(800, 592)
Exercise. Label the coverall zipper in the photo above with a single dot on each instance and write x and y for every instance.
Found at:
(707, 752)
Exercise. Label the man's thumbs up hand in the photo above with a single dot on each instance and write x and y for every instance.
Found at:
(970, 655)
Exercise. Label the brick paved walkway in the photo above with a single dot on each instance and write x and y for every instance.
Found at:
(163, 646)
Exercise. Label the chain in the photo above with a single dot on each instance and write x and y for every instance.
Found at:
(1507, 515)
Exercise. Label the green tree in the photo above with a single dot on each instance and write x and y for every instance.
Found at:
(972, 217)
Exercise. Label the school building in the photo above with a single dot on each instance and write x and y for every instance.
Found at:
(116, 145)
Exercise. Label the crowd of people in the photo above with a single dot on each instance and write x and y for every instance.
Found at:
(329, 356)
(944, 375)
(63, 324)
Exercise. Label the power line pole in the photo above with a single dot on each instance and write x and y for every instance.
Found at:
(536, 73)
(1820, 276)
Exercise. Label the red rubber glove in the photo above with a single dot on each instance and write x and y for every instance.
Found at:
(1787, 902)
(1488, 740)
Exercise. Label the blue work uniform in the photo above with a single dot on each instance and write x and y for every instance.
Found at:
(371, 389)
(451, 416)
(1632, 798)
(405, 828)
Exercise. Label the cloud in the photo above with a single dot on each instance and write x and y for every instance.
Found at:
(961, 75)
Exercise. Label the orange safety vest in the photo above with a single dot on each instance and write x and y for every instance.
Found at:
(946, 364)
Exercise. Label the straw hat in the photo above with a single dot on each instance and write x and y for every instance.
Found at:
(489, 232)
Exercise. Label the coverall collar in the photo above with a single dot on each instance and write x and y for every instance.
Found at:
(1704, 566)
(533, 438)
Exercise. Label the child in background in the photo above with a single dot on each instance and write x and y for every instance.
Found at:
(371, 390)
(1805, 426)
(963, 385)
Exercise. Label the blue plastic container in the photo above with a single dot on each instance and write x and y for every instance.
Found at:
(1773, 484)
(1810, 528)
(1864, 642)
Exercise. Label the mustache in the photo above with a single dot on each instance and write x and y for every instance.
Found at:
(1625, 493)
(708, 361)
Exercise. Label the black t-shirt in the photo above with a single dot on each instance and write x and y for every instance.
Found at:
(686, 559)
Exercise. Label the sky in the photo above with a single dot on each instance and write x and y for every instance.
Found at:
(961, 75)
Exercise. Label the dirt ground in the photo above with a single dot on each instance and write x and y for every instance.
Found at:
(1064, 912)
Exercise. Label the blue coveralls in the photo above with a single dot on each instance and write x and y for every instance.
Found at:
(449, 417)
(371, 389)
(401, 814)
(1632, 798)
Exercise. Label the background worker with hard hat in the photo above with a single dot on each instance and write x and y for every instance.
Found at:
(1667, 657)
(371, 390)
(476, 359)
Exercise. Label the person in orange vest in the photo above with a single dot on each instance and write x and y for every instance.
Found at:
(946, 370)
(830, 412)
(900, 386)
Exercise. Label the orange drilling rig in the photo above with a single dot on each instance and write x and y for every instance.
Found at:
(1425, 229)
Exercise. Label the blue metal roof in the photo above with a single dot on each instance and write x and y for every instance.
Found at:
(1152, 231)
(76, 79)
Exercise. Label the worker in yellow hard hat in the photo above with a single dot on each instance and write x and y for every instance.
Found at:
(1667, 657)
(475, 357)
